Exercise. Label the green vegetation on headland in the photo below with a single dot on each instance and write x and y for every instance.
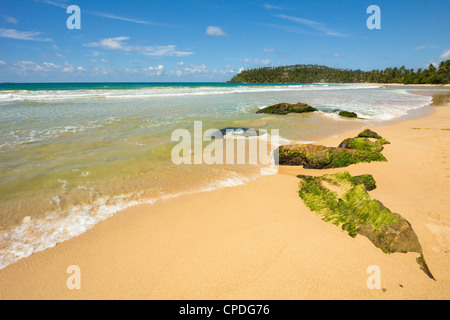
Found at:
(323, 74)
(350, 151)
(344, 201)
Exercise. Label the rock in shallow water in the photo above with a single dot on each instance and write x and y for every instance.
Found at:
(285, 108)
(347, 114)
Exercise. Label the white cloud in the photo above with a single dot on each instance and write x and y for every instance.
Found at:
(102, 70)
(202, 70)
(68, 68)
(50, 65)
(269, 50)
(56, 3)
(2, 63)
(163, 51)
(55, 47)
(192, 69)
(425, 46)
(92, 60)
(118, 43)
(155, 71)
(312, 24)
(21, 35)
(241, 69)
(272, 7)
(61, 4)
(196, 69)
(115, 44)
(445, 55)
(262, 62)
(216, 31)
(10, 19)
(181, 63)
(26, 67)
(111, 16)
(104, 60)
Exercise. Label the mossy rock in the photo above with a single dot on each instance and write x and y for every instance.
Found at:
(373, 135)
(361, 144)
(369, 134)
(382, 141)
(347, 114)
(366, 179)
(312, 156)
(286, 108)
(344, 201)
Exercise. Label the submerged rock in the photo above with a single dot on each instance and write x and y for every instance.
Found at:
(312, 156)
(347, 114)
(344, 201)
(240, 131)
(285, 108)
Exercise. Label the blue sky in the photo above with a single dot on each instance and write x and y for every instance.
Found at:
(199, 40)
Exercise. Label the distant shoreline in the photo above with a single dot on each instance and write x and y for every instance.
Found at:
(398, 84)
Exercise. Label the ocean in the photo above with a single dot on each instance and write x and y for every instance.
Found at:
(73, 154)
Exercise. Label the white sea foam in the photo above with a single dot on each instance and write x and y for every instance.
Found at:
(49, 95)
(37, 234)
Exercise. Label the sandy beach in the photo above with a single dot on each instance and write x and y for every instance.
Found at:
(259, 240)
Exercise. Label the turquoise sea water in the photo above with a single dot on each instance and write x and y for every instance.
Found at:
(74, 154)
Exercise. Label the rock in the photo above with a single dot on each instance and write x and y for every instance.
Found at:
(285, 108)
(347, 114)
(369, 134)
(367, 180)
(312, 156)
(344, 201)
(382, 141)
(361, 144)
(234, 131)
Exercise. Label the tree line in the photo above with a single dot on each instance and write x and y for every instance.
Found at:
(323, 74)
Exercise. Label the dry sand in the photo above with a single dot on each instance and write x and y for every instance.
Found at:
(259, 241)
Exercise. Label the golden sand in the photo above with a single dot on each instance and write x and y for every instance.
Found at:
(259, 241)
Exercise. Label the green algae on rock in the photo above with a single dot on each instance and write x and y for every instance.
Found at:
(350, 151)
(285, 108)
(369, 134)
(347, 114)
(372, 134)
(344, 201)
(312, 156)
(366, 179)
(361, 144)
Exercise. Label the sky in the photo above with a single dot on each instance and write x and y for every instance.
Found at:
(212, 40)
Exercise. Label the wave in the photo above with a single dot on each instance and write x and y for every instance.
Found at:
(37, 234)
(57, 95)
